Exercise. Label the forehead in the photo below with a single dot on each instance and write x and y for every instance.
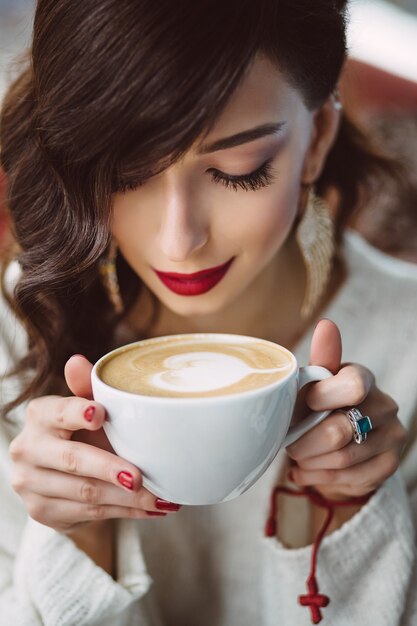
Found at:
(264, 95)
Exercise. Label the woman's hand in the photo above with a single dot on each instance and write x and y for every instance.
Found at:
(64, 468)
(327, 458)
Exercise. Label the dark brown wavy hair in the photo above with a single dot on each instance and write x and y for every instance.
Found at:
(114, 91)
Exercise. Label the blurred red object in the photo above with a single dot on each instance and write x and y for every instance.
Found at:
(367, 91)
(380, 76)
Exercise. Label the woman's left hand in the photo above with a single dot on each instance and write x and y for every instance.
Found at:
(327, 457)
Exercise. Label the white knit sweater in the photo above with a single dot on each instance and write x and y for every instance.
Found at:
(212, 566)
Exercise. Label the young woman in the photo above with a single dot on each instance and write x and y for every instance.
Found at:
(144, 143)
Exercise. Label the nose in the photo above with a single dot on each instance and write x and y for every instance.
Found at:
(183, 229)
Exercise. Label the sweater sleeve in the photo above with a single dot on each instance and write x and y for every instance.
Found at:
(44, 578)
(50, 582)
(367, 567)
(64, 587)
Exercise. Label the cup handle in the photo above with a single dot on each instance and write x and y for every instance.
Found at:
(307, 374)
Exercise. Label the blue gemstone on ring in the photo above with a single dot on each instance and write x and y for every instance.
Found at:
(364, 425)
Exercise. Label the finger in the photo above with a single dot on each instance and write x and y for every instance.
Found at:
(80, 459)
(77, 373)
(336, 431)
(333, 433)
(349, 387)
(326, 346)
(63, 515)
(65, 414)
(362, 478)
(352, 454)
(54, 484)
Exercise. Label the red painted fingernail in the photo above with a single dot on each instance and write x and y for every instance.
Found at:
(125, 479)
(166, 506)
(156, 513)
(89, 413)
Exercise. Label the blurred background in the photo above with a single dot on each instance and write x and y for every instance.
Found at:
(378, 89)
(15, 31)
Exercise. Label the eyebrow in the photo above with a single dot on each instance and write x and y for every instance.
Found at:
(243, 137)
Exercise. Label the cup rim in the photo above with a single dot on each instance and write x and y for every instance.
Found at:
(193, 399)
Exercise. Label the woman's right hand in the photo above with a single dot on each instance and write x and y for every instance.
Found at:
(64, 467)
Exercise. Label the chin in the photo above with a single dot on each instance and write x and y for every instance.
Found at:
(195, 306)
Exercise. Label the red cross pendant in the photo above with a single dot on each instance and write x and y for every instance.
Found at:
(314, 600)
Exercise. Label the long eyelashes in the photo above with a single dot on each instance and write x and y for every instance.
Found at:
(262, 177)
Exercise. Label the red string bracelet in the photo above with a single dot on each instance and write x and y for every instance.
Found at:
(313, 599)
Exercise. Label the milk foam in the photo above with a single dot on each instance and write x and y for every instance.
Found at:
(195, 372)
(197, 366)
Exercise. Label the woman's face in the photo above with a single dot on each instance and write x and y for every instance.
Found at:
(230, 203)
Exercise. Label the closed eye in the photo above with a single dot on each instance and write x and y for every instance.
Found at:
(259, 178)
(262, 177)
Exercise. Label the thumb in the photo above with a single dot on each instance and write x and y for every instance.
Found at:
(77, 373)
(326, 346)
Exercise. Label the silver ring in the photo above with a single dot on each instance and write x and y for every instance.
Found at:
(361, 424)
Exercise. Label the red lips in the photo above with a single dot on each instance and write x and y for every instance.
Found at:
(194, 284)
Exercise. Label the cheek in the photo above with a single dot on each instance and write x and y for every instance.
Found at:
(119, 217)
(263, 221)
(130, 226)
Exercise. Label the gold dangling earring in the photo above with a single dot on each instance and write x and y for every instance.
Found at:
(108, 273)
(315, 237)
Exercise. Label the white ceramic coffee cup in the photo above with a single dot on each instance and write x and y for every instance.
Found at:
(204, 450)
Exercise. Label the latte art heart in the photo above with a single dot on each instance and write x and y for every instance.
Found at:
(180, 367)
(195, 372)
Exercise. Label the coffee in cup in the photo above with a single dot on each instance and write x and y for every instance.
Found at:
(187, 367)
